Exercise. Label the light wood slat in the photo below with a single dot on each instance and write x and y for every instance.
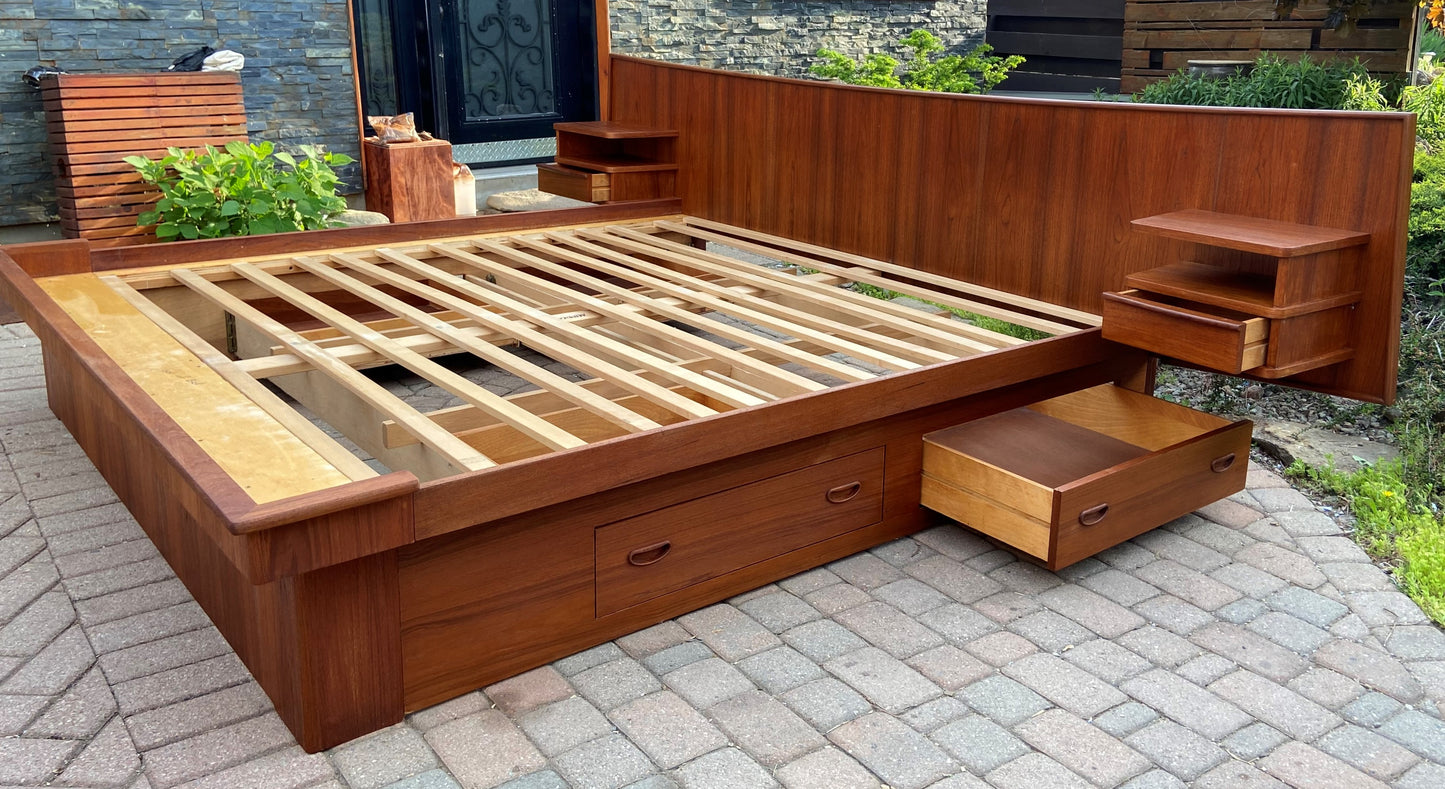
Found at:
(572, 333)
(698, 291)
(961, 337)
(452, 450)
(885, 351)
(524, 333)
(522, 368)
(669, 307)
(792, 383)
(879, 343)
(218, 271)
(312, 436)
(463, 420)
(524, 421)
(786, 250)
(736, 294)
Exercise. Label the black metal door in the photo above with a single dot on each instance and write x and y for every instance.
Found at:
(479, 70)
(512, 68)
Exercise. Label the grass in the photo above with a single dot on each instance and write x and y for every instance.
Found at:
(981, 321)
(1391, 525)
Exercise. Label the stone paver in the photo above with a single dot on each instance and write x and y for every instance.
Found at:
(1247, 645)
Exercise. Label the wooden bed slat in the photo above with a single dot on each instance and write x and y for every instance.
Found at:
(528, 423)
(454, 451)
(790, 383)
(964, 338)
(876, 349)
(519, 367)
(886, 344)
(862, 268)
(668, 306)
(716, 298)
(325, 446)
(558, 350)
(590, 340)
(465, 419)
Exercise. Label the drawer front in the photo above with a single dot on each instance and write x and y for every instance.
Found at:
(1107, 508)
(650, 555)
(1213, 341)
(983, 512)
(577, 184)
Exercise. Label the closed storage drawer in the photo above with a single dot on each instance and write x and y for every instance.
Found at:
(650, 555)
(1066, 478)
(1208, 336)
(577, 184)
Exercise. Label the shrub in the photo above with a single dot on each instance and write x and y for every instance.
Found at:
(1273, 82)
(976, 72)
(1425, 248)
(240, 191)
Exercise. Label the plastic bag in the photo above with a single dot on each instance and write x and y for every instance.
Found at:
(394, 128)
(224, 60)
(33, 76)
(191, 61)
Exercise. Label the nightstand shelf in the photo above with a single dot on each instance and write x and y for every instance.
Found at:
(601, 161)
(1263, 297)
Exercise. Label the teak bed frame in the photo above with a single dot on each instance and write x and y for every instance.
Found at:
(694, 458)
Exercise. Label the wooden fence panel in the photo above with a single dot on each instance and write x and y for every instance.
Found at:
(1068, 45)
(94, 121)
(1162, 36)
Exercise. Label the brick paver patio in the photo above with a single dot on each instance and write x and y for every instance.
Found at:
(1250, 645)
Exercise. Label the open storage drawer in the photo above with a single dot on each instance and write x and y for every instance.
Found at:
(1068, 477)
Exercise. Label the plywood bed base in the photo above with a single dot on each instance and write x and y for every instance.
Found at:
(761, 419)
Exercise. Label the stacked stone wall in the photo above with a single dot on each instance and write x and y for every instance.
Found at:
(780, 37)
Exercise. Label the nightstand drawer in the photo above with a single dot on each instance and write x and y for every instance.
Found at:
(577, 184)
(1211, 337)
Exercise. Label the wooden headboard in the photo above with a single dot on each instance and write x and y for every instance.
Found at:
(1031, 196)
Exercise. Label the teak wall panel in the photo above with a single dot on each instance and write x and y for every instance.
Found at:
(1029, 196)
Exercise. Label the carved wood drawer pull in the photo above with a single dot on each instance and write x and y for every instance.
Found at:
(1093, 515)
(650, 554)
(1222, 464)
(844, 493)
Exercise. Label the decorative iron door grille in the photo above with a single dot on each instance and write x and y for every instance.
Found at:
(479, 71)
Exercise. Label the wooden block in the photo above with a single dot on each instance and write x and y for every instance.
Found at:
(410, 182)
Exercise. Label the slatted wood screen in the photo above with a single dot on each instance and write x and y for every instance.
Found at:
(1162, 36)
(1068, 45)
(95, 121)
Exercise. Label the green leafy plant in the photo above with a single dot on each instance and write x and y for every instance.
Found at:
(1392, 525)
(241, 190)
(975, 72)
(1273, 82)
(1425, 247)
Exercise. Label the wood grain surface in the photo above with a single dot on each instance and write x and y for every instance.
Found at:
(94, 121)
(1031, 196)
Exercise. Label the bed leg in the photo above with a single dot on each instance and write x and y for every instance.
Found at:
(346, 653)
(1140, 377)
